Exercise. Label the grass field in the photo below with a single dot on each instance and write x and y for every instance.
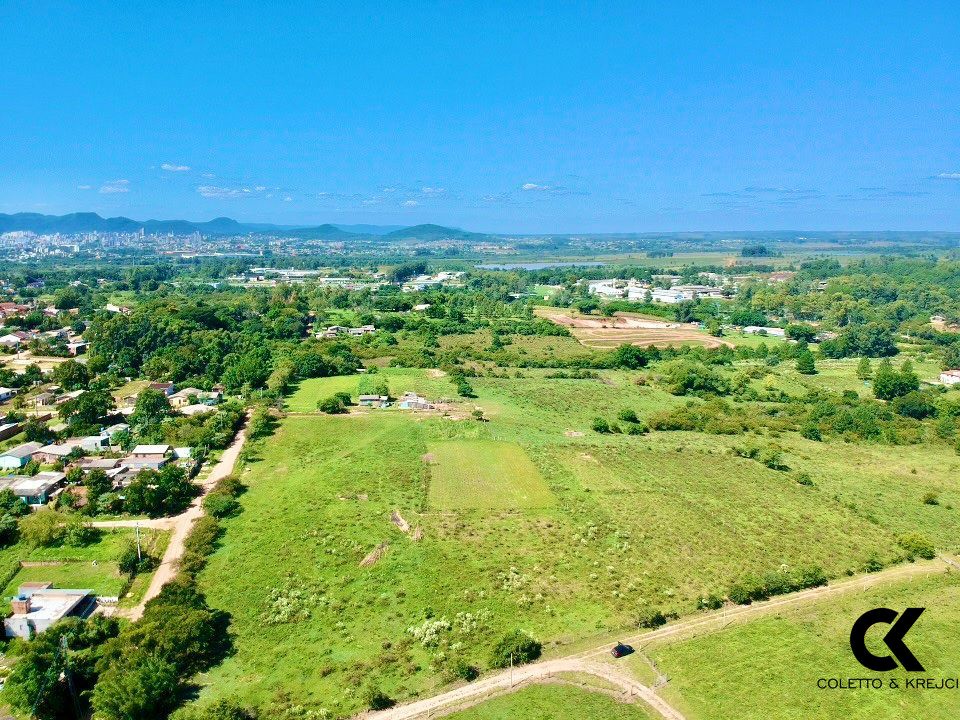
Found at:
(475, 474)
(619, 525)
(768, 668)
(554, 702)
(400, 380)
(93, 566)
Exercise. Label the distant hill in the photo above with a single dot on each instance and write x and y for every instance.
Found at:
(370, 229)
(432, 232)
(92, 222)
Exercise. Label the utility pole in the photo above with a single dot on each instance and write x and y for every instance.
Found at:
(511, 669)
(139, 553)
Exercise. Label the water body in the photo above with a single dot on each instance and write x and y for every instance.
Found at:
(539, 265)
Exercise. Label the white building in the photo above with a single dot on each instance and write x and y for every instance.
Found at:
(950, 377)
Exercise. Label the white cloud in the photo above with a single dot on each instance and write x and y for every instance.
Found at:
(83, 187)
(288, 199)
(534, 186)
(170, 167)
(389, 189)
(208, 176)
(433, 190)
(409, 203)
(115, 186)
(948, 176)
(214, 191)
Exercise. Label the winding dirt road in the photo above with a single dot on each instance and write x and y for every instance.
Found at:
(588, 661)
(180, 525)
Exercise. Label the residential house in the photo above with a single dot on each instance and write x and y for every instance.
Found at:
(56, 452)
(147, 457)
(34, 490)
(44, 399)
(37, 606)
(113, 430)
(165, 387)
(77, 348)
(182, 397)
(412, 401)
(196, 409)
(6, 393)
(19, 456)
(373, 400)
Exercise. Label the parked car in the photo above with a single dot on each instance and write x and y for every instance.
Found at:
(621, 649)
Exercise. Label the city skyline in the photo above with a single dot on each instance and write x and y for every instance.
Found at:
(616, 118)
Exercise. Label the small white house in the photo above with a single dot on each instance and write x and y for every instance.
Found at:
(6, 393)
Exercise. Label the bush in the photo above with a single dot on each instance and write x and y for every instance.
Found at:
(516, 647)
(376, 699)
(628, 415)
(803, 478)
(332, 405)
(463, 670)
(931, 498)
(750, 588)
(651, 618)
(916, 545)
(221, 505)
(600, 425)
(132, 562)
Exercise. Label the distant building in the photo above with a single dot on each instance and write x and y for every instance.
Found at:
(412, 401)
(950, 377)
(37, 606)
(758, 330)
(6, 393)
(36, 490)
(373, 400)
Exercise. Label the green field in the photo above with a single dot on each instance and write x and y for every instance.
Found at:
(769, 667)
(92, 566)
(633, 523)
(399, 380)
(554, 702)
(476, 474)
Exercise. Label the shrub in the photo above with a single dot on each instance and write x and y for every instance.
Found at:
(628, 415)
(779, 582)
(931, 498)
(332, 405)
(221, 505)
(651, 618)
(916, 545)
(803, 478)
(710, 602)
(516, 647)
(600, 425)
(463, 670)
(376, 699)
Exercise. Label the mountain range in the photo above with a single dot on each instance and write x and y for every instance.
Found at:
(82, 222)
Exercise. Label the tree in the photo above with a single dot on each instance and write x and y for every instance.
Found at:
(71, 375)
(140, 687)
(221, 710)
(801, 331)
(864, 370)
(806, 364)
(37, 431)
(87, 408)
(888, 384)
(151, 408)
(332, 405)
(515, 648)
(97, 484)
(160, 493)
(38, 685)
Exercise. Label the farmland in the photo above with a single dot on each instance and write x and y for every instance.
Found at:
(611, 332)
(530, 520)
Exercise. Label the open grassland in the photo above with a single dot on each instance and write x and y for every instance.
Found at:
(768, 668)
(634, 523)
(476, 474)
(554, 702)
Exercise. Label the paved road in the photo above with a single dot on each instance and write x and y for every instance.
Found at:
(587, 661)
(181, 524)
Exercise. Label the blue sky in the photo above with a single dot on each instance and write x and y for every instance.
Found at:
(500, 116)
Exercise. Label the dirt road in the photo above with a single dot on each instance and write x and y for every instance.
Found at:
(588, 661)
(181, 524)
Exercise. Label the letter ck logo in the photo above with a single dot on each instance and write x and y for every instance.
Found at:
(893, 639)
